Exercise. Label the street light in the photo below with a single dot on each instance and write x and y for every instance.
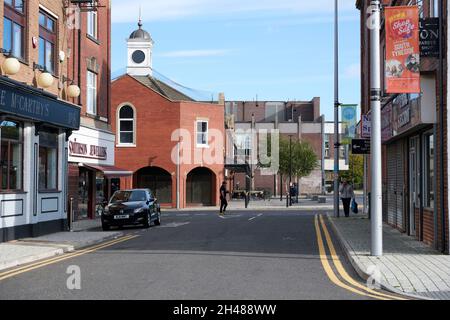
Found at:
(11, 66)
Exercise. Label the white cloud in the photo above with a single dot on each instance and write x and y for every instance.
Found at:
(127, 11)
(195, 53)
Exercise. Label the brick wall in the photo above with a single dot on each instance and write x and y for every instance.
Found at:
(26, 74)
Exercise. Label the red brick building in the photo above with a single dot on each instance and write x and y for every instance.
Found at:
(91, 149)
(172, 144)
(411, 137)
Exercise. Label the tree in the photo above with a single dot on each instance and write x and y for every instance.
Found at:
(304, 159)
(355, 173)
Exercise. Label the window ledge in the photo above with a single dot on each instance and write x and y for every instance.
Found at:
(125, 145)
(203, 146)
(93, 39)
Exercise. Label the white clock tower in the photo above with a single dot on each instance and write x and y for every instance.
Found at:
(140, 45)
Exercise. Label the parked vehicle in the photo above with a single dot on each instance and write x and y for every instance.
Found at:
(131, 207)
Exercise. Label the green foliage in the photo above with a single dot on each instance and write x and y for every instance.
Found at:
(304, 159)
(356, 170)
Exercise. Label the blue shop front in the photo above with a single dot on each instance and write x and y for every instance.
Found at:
(34, 131)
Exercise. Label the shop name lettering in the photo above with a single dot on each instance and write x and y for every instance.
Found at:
(22, 103)
(84, 150)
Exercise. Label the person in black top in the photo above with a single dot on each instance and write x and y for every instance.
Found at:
(223, 198)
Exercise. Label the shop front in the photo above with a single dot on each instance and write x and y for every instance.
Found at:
(34, 127)
(408, 132)
(93, 178)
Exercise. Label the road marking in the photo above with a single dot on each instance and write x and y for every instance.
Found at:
(33, 266)
(259, 215)
(174, 225)
(340, 268)
(329, 271)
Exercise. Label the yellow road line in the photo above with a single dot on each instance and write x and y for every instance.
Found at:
(329, 271)
(44, 263)
(340, 268)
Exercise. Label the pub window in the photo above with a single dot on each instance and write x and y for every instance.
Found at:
(92, 24)
(126, 125)
(47, 42)
(429, 171)
(13, 28)
(48, 160)
(11, 155)
(202, 133)
(91, 97)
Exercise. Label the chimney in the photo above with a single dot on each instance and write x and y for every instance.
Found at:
(221, 99)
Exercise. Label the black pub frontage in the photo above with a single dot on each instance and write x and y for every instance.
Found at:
(34, 130)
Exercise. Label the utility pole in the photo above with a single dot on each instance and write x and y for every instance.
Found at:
(375, 106)
(337, 143)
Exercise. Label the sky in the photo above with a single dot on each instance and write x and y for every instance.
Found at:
(275, 50)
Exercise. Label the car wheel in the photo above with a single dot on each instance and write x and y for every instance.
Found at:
(158, 221)
(105, 227)
(148, 220)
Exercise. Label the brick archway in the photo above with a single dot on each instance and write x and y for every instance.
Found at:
(200, 187)
(158, 180)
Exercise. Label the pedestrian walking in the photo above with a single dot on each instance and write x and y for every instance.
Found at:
(223, 198)
(347, 194)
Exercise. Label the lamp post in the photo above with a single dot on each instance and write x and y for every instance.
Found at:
(375, 107)
(336, 110)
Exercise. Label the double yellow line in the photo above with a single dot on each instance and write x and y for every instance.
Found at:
(347, 282)
(40, 264)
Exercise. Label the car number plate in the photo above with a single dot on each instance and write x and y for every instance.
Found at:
(125, 216)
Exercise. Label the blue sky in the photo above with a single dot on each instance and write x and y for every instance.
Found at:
(273, 49)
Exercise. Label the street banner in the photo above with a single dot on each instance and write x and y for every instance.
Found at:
(348, 118)
(402, 50)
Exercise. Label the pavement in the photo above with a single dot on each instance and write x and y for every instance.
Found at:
(304, 204)
(246, 255)
(408, 266)
(24, 251)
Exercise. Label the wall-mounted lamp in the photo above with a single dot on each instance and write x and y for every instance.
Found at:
(73, 91)
(11, 66)
(45, 79)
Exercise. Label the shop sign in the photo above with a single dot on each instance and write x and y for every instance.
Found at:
(404, 117)
(429, 37)
(83, 150)
(366, 126)
(26, 104)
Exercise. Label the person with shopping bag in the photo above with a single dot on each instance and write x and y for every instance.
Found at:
(347, 194)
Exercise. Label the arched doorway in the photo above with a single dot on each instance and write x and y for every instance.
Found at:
(156, 179)
(200, 187)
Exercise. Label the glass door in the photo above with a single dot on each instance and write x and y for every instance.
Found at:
(84, 186)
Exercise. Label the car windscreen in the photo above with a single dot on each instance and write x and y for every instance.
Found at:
(129, 196)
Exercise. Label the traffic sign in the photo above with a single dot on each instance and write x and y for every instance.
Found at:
(360, 146)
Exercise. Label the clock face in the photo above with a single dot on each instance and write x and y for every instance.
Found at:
(138, 56)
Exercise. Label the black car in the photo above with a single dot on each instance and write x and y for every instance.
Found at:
(131, 207)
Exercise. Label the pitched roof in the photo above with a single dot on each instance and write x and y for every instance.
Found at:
(162, 88)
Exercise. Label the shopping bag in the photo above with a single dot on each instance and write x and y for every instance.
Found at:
(354, 206)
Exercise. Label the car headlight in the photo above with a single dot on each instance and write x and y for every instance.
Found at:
(139, 210)
(106, 211)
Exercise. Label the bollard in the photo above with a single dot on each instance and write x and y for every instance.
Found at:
(71, 215)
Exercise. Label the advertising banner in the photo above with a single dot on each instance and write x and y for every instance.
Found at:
(402, 50)
(349, 113)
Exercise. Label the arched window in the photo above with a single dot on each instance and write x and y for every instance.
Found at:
(126, 125)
